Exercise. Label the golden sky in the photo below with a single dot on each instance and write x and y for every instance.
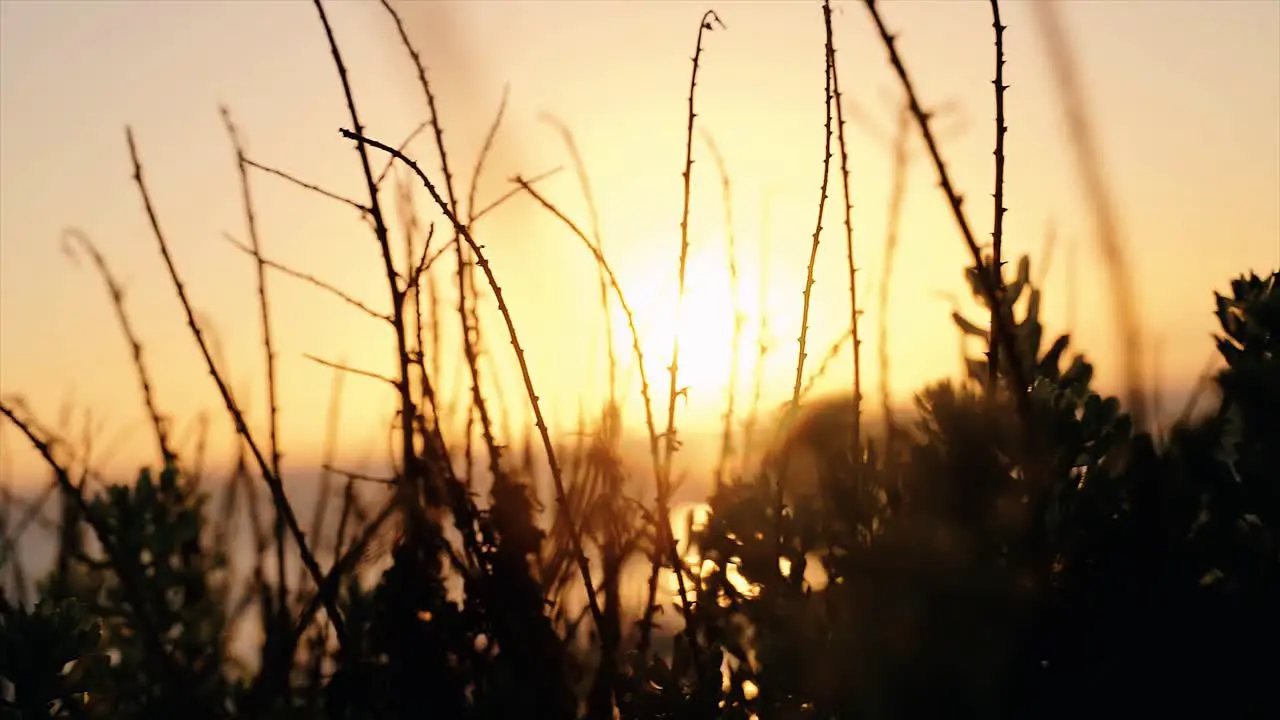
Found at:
(1184, 96)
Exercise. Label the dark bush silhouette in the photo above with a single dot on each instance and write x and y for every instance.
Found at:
(1024, 549)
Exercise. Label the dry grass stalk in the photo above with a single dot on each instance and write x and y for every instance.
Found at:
(273, 422)
(114, 289)
(593, 214)
(739, 318)
(552, 461)
(1088, 158)
(897, 192)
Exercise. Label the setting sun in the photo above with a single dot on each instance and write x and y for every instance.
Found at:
(705, 325)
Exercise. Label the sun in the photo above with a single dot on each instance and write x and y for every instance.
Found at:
(704, 322)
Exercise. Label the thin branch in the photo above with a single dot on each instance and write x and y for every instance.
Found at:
(485, 149)
(593, 214)
(598, 254)
(352, 370)
(273, 482)
(817, 232)
(364, 209)
(549, 447)
(417, 130)
(997, 231)
(708, 22)
(268, 346)
(1019, 385)
(309, 279)
(408, 492)
(504, 197)
(739, 319)
(135, 347)
(854, 313)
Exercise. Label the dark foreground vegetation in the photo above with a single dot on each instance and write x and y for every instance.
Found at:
(1023, 547)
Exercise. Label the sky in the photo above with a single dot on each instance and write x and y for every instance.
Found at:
(1184, 97)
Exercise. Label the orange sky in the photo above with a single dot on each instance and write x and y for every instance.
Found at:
(1185, 97)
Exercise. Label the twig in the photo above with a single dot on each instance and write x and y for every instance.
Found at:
(504, 197)
(515, 344)
(708, 22)
(598, 254)
(135, 347)
(997, 232)
(726, 193)
(833, 351)
(364, 209)
(485, 149)
(354, 371)
(897, 192)
(353, 475)
(593, 214)
(408, 491)
(1063, 66)
(1019, 385)
(273, 482)
(817, 232)
(417, 130)
(468, 327)
(310, 279)
(854, 313)
(273, 422)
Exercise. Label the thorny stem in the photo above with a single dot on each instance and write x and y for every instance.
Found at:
(548, 446)
(817, 232)
(309, 279)
(997, 231)
(273, 482)
(607, 273)
(469, 328)
(268, 347)
(408, 490)
(1017, 380)
(664, 487)
(135, 347)
(854, 312)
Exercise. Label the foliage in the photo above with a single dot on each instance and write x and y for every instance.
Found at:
(1022, 551)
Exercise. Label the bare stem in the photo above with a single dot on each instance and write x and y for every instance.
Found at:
(135, 347)
(739, 318)
(268, 346)
(309, 279)
(855, 439)
(997, 232)
(1017, 380)
(548, 446)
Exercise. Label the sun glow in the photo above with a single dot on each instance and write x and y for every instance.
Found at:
(704, 321)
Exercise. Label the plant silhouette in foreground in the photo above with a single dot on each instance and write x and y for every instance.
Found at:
(1022, 549)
